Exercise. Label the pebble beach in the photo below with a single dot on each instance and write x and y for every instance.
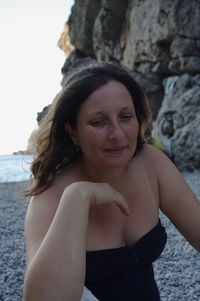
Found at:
(177, 271)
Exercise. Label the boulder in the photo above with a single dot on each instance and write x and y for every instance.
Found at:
(153, 38)
(178, 122)
(159, 41)
(81, 24)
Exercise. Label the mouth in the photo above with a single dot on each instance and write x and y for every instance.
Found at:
(116, 150)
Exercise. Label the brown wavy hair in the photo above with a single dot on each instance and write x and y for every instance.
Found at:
(52, 147)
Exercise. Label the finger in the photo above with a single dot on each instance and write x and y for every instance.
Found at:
(120, 201)
(123, 207)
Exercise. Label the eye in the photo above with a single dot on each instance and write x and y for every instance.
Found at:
(98, 122)
(126, 117)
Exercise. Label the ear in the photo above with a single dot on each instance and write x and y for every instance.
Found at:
(72, 133)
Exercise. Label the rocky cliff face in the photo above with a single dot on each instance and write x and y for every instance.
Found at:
(160, 42)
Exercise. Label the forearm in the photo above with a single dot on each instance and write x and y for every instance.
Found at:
(57, 271)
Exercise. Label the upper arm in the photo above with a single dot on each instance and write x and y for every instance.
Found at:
(177, 201)
(40, 214)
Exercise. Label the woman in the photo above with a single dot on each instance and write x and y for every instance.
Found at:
(96, 194)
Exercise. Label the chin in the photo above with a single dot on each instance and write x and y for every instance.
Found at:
(118, 163)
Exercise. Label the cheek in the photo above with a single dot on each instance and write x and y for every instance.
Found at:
(133, 130)
(91, 138)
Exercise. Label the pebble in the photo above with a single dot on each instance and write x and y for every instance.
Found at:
(177, 271)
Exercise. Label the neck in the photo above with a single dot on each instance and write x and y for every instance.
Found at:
(112, 176)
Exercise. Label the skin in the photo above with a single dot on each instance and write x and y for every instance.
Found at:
(100, 202)
(107, 128)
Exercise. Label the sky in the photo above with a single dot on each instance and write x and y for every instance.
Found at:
(30, 65)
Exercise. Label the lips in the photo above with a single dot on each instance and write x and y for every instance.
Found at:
(116, 150)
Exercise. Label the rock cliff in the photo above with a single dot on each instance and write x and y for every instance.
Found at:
(160, 42)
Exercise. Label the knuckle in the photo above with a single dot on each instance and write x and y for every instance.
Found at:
(106, 185)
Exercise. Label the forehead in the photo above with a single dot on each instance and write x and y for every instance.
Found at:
(109, 96)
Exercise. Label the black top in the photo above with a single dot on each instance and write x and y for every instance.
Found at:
(126, 273)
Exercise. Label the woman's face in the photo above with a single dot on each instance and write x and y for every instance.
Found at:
(107, 127)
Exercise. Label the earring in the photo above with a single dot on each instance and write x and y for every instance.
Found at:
(76, 141)
(77, 146)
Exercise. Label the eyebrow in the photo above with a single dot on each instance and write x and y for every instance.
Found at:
(104, 112)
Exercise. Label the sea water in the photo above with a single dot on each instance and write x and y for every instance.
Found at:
(15, 168)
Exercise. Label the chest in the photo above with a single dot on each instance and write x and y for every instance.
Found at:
(109, 228)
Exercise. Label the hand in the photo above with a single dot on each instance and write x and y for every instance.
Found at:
(98, 193)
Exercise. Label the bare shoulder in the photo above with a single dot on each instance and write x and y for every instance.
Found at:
(177, 200)
(44, 205)
(153, 159)
(167, 173)
(173, 188)
(42, 209)
(150, 152)
(39, 216)
(46, 201)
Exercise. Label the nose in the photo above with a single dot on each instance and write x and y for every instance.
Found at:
(115, 131)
